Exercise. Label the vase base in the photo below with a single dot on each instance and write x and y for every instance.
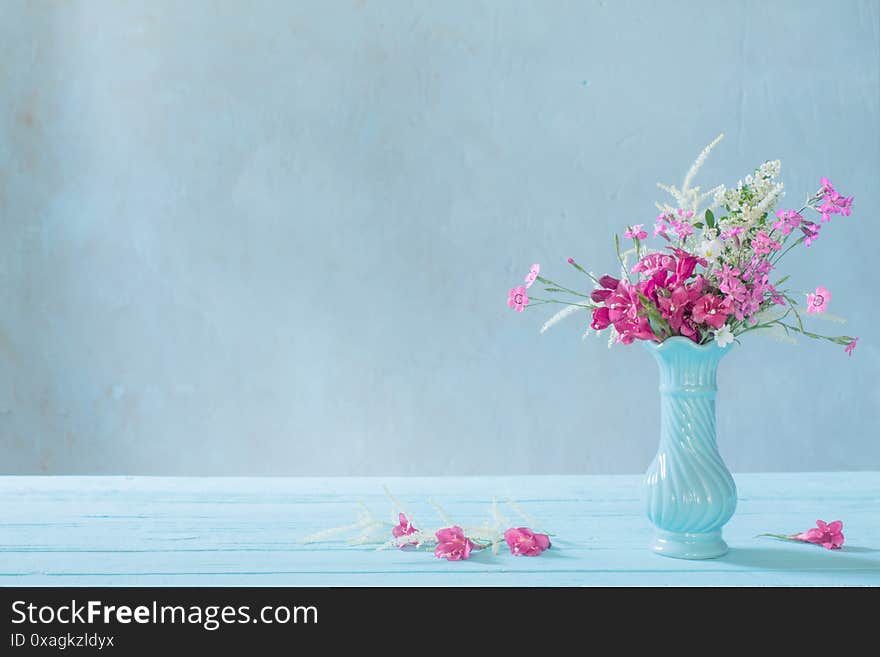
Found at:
(681, 545)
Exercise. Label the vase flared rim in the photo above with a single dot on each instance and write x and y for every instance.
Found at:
(671, 343)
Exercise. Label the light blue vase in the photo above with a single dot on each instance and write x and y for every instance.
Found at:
(688, 492)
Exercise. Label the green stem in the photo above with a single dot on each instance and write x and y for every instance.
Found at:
(547, 281)
(582, 270)
(620, 258)
(565, 303)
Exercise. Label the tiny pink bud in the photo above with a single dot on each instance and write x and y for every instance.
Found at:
(571, 261)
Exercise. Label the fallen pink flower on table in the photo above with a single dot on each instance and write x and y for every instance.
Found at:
(828, 535)
(851, 347)
(452, 544)
(523, 542)
(403, 528)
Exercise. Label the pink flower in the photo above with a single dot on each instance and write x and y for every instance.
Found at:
(683, 229)
(636, 232)
(523, 542)
(653, 263)
(609, 284)
(833, 202)
(601, 320)
(677, 303)
(829, 536)
(763, 244)
(788, 221)
(730, 283)
(403, 528)
(851, 346)
(712, 310)
(532, 275)
(685, 265)
(733, 232)
(452, 544)
(517, 298)
(811, 233)
(818, 300)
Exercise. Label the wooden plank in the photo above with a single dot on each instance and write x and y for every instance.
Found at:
(241, 531)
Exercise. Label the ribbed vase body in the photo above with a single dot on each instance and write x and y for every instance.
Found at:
(689, 493)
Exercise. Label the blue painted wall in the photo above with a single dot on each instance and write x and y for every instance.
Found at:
(277, 237)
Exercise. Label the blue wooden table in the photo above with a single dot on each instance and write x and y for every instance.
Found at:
(156, 531)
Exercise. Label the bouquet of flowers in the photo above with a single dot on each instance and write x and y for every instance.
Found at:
(712, 279)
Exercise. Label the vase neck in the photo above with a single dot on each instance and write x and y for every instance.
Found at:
(687, 368)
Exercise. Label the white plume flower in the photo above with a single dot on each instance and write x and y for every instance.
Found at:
(558, 317)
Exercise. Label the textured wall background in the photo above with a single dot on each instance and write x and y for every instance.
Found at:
(277, 237)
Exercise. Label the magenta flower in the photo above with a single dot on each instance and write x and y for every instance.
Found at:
(833, 202)
(523, 542)
(851, 346)
(788, 221)
(829, 536)
(532, 275)
(712, 310)
(452, 544)
(677, 303)
(763, 244)
(601, 320)
(685, 265)
(811, 233)
(403, 528)
(517, 298)
(635, 232)
(818, 300)
(653, 263)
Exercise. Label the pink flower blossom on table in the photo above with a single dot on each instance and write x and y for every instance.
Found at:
(818, 301)
(452, 544)
(851, 346)
(788, 220)
(636, 232)
(811, 233)
(403, 528)
(828, 535)
(712, 310)
(532, 276)
(763, 243)
(517, 298)
(523, 542)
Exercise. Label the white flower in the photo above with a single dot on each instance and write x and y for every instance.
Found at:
(710, 249)
(558, 317)
(723, 336)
